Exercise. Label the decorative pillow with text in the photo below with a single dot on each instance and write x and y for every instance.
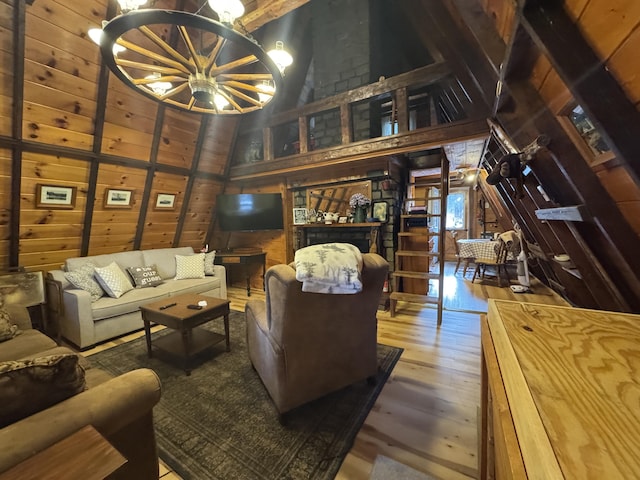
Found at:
(145, 276)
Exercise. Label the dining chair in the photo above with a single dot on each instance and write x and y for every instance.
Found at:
(459, 259)
(499, 263)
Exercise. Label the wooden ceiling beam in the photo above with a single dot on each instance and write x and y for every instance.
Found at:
(588, 78)
(513, 65)
(267, 11)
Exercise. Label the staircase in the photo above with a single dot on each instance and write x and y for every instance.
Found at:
(419, 260)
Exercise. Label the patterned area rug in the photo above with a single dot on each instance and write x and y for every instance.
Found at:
(220, 423)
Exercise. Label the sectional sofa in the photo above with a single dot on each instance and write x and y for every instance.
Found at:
(85, 323)
(49, 392)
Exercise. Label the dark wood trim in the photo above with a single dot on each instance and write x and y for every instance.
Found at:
(512, 65)
(151, 173)
(101, 104)
(19, 27)
(202, 132)
(588, 78)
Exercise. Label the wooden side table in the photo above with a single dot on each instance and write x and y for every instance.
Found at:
(85, 454)
(244, 259)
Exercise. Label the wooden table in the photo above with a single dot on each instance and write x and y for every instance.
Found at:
(244, 258)
(85, 454)
(560, 390)
(187, 340)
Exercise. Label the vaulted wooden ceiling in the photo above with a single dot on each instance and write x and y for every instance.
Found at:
(66, 120)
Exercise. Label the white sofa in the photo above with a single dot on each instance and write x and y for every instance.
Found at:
(85, 323)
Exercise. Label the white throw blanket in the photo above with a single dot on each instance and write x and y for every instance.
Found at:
(329, 268)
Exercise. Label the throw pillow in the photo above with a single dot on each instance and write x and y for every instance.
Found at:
(208, 263)
(113, 280)
(8, 330)
(145, 276)
(83, 279)
(190, 266)
(29, 386)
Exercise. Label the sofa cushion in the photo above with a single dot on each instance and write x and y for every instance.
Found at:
(113, 280)
(144, 277)
(209, 258)
(29, 386)
(124, 259)
(191, 285)
(8, 329)
(28, 343)
(164, 259)
(108, 307)
(190, 266)
(83, 278)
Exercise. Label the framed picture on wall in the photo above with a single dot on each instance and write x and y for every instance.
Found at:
(55, 196)
(118, 198)
(166, 201)
(299, 216)
(379, 211)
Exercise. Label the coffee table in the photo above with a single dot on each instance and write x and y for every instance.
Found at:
(187, 340)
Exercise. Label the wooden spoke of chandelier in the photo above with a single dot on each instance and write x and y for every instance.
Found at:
(246, 86)
(174, 67)
(165, 46)
(155, 56)
(241, 95)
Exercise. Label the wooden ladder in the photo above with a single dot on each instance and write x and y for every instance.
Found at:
(422, 236)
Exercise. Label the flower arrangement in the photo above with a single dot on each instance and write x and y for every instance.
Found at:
(358, 200)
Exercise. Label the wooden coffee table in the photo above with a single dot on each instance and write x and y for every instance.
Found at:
(187, 340)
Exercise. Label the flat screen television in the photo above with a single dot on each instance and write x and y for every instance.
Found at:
(247, 212)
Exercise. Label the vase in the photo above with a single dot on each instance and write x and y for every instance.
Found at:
(360, 215)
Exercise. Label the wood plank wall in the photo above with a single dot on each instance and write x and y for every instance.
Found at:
(61, 141)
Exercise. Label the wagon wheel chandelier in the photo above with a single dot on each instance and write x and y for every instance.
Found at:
(191, 62)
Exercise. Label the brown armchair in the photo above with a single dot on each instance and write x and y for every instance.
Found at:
(306, 345)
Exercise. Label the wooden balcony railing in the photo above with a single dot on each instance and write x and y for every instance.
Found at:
(447, 115)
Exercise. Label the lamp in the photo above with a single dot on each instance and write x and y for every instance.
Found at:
(279, 55)
(227, 10)
(191, 62)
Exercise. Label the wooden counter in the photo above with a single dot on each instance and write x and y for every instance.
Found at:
(560, 393)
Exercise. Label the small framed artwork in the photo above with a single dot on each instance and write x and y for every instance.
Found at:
(379, 211)
(118, 198)
(299, 216)
(55, 196)
(342, 219)
(166, 201)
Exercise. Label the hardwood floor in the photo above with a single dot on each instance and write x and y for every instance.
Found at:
(426, 414)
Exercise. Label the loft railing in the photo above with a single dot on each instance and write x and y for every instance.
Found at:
(391, 116)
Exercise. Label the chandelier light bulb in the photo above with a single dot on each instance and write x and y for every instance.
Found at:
(227, 10)
(280, 56)
(160, 87)
(265, 91)
(95, 34)
(128, 5)
(220, 101)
